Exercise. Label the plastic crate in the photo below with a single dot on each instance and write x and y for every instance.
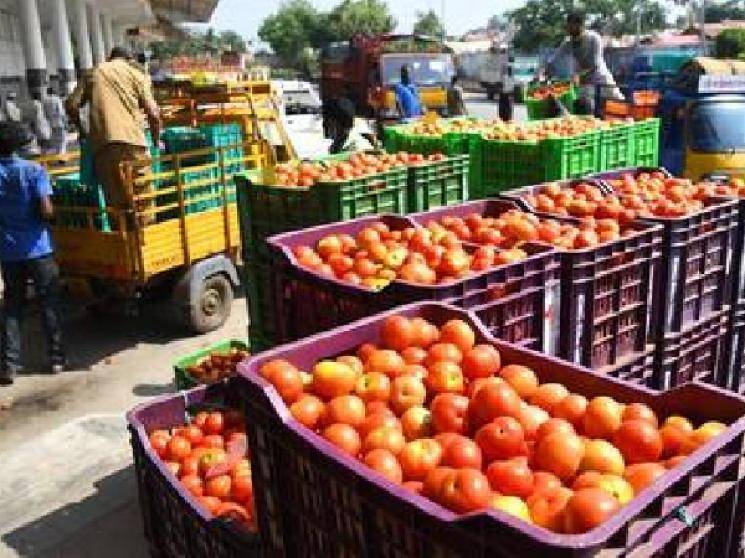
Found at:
(414, 143)
(696, 353)
(229, 137)
(617, 147)
(437, 184)
(268, 210)
(257, 279)
(733, 367)
(306, 302)
(175, 524)
(181, 377)
(519, 195)
(312, 500)
(508, 164)
(636, 368)
(70, 191)
(540, 109)
(647, 143)
(574, 157)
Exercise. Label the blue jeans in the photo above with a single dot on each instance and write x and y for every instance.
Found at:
(45, 275)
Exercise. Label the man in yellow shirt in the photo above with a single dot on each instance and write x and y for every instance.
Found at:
(116, 93)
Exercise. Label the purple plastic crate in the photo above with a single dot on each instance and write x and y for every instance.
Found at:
(606, 291)
(175, 524)
(313, 500)
(306, 302)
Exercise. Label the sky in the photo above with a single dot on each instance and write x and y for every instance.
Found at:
(245, 16)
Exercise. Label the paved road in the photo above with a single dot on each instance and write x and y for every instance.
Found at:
(478, 105)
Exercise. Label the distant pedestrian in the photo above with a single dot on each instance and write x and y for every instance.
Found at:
(26, 252)
(345, 137)
(456, 105)
(407, 96)
(54, 110)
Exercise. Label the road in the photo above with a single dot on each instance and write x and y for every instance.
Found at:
(68, 485)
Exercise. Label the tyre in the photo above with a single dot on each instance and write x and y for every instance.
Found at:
(206, 307)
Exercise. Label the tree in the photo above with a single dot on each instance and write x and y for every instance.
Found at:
(232, 41)
(427, 23)
(540, 23)
(296, 26)
(359, 16)
(731, 9)
(731, 43)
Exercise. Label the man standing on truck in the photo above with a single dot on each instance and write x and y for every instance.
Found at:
(116, 92)
(407, 96)
(585, 47)
(26, 251)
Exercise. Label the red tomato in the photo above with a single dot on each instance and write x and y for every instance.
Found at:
(215, 423)
(386, 437)
(193, 484)
(522, 379)
(640, 411)
(482, 361)
(502, 438)
(461, 453)
(445, 377)
(178, 448)
(397, 333)
(345, 409)
(547, 507)
(587, 509)
(209, 503)
(385, 463)
(443, 351)
(547, 396)
(639, 441)
(641, 475)
(308, 410)
(241, 489)
(419, 457)
(193, 433)
(492, 401)
(465, 490)
(449, 412)
(213, 441)
(416, 423)
(343, 437)
(219, 487)
(512, 477)
(459, 333)
(560, 454)
(159, 442)
(554, 425)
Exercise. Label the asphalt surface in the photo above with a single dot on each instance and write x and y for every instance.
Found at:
(68, 485)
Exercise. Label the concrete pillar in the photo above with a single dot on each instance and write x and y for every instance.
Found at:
(85, 57)
(117, 34)
(63, 46)
(108, 33)
(33, 47)
(99, 50)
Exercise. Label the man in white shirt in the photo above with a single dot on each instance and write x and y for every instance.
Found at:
(584, 48)
(54, 110)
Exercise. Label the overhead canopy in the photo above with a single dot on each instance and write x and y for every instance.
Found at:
(182, 11)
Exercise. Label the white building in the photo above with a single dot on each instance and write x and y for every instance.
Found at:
(43, 41)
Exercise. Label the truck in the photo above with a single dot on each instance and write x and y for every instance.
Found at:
(496, 72)
(366, 69)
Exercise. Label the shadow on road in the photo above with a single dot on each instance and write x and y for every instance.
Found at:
(81, 530)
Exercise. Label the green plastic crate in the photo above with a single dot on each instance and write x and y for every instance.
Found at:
(183, 379)
(438, 184)
(203, 187)
(70, 191)
(256, 276)
(647, 143)
(508, 164)
(390, 138)
(617, 147)
(574, 157)
(426, 145)
(538, 110)
(268, 210)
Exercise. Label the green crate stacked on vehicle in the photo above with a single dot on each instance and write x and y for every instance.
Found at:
(181, 377)
(202, 187)
(508, 164)
(573, 157)
(540, 109)
(617, 145)
(647, 143)
(70, 191)
(438, 184)
(178, 140)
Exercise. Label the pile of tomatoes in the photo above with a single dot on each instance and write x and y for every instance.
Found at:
(209, 456)
(543, 92)
(359, 165)
(433, 411)
(555, 128)
(735, 188)
(379, 255)
(217, 366)
(514, 227)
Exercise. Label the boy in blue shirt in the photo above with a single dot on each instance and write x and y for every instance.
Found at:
(26, 251)
(407, 96)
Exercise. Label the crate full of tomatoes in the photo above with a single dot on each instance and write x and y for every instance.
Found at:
(415, 433)
(209, 365)
(326, 276)
(194, 475)
(606, 273)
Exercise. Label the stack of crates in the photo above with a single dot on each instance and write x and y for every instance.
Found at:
(70, 191)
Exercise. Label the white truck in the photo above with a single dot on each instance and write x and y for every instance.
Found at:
(496, 73)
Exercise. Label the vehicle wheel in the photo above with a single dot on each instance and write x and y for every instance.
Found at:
(210, 307)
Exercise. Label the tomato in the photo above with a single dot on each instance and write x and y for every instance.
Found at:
(194, 484)
(482, 361)
(193, 433)
(501, 439)
(174, 466)
(209, 503)
(375, 420)
(492, 401)
(522, 379)
(465, 490)
(547, 507)
(461, 453)
(701, 436)
(289, 384)
(587, 509)
(603, 417)
(553, 425)
(386, 362)
(449, 412)
(673, 439)
(511, 477)
(308, 410)
(413, 486)
(531, 418)
(416, 423)
(511, 505)
(219, 487)
(414, 355)
(385, 437)
(189, 465)
(419, 457)
(210, 458)
(443, 351)
(614, 485)
(679, 422)
(641, 475)
(603, 457)
(267, 371)
(364, 351)
(445, 377)
(459, 333)
(547, 396)
(407, 392)
(241, 489)
(397, 333)
(572, 409)
(159, 442)
(373, 386)
(343, 437)
(478, 383)
(639, 441)
(331, 379)
(384, 462)
(213, 441)
(345, 409)
(178, 448)
(433, 482)
(543, 480)
(355, 363)
(639, 411)
(560, 454)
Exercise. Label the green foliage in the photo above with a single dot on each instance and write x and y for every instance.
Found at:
(359, 16)
(198, 43)
(731, 43)
(427, 23)
(540, 23)
(731, 9)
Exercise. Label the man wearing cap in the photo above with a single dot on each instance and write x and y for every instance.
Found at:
(26, 251)
(117, 92)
